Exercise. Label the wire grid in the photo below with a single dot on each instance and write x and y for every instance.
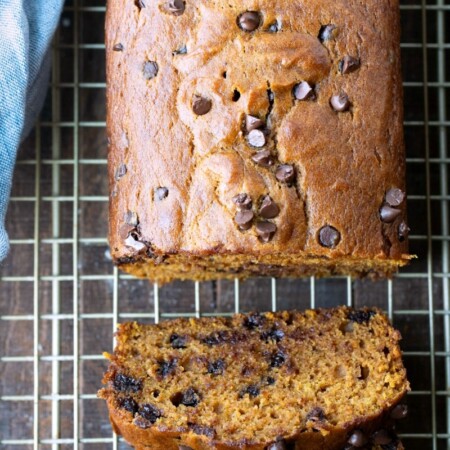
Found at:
(62, 298)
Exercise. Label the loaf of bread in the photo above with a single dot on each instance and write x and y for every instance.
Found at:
(255, 138)
(320, 379)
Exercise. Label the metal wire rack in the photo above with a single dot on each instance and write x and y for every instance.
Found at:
(61, 298)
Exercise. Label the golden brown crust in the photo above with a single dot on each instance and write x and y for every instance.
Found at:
(344, 162)
(341, 366)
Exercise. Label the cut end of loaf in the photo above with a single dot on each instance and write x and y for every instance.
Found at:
(163, 269)
(248, 381)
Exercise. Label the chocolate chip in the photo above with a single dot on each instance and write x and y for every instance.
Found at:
(348, 64)
(285, 173)
(142, 423)
(253, 321)
(181, 51)
(167, 367)
(358, 439)
(242, 201)
(124, 383)
(263, 158)
(360, 316)
(120, 172)
(327, 32)
(150, 70)
(128, 404)
(252, 390)
(403, 231)
(133, 243)
(340, 102)
(249, 21)
(329, 237)
(176, 7)
(389, 214)
(190, 398)
(268, 209)
(201, 105)
(202, 430)
(317, 414)
(280, 445)
(395, 197)
(274, 27)
(303, 91)
(244, 219)
(216, 367)
(277, 359)
(256, 138)
(149, 412)
(266, 230)
(118, 47)
(139, 3)
(131, 218)
(381, 437)
(274, 335)
(399, 412)
(161, 193)
(177, 341)
(253, 123)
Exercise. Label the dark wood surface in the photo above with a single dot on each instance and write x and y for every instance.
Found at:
(95, 296)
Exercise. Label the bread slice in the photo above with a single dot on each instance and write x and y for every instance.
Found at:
(319, 379)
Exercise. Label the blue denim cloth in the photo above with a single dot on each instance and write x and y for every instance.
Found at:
(26, 28)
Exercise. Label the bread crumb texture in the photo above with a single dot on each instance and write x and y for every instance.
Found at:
(255, 137)
(319, 379)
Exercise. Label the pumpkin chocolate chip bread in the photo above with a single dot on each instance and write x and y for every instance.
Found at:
(255, 138)
(320, 379)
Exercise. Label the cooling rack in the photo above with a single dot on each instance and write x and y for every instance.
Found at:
(61, 298)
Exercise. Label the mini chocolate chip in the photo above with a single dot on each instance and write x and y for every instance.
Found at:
(340, 102)
(253, 123)
(149, 412)
(242, 201)
(133, 243)
(177, 341)
(329, 237)
(317, 414)
(190, 398)
(274, 335)
(142, 423)
(120, 172)
(253, 321)
(403, 231)
(270, 380)
(348, 64)
(399, 412)
(381, 437)
(268, 209)
(358, 439)
(201, 105)
(280, 445)
(389, 214)
(139, 3)
(252, 390)
(277, 359)
(216, 367)
(150, 70)
(327, 32)
(128, 404)
(256, 138)
(181, 51)
(161, 193)
(263, 158)
(265, 230)
(360, 316)
(303, 91)
(244, 219)
(118, 47)
(395, 197)
(176, 7)
(285, 173)
(274, 27)
(202, 430)
(249, 20)
(131, 218)
(167, 367)
(124, 383)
